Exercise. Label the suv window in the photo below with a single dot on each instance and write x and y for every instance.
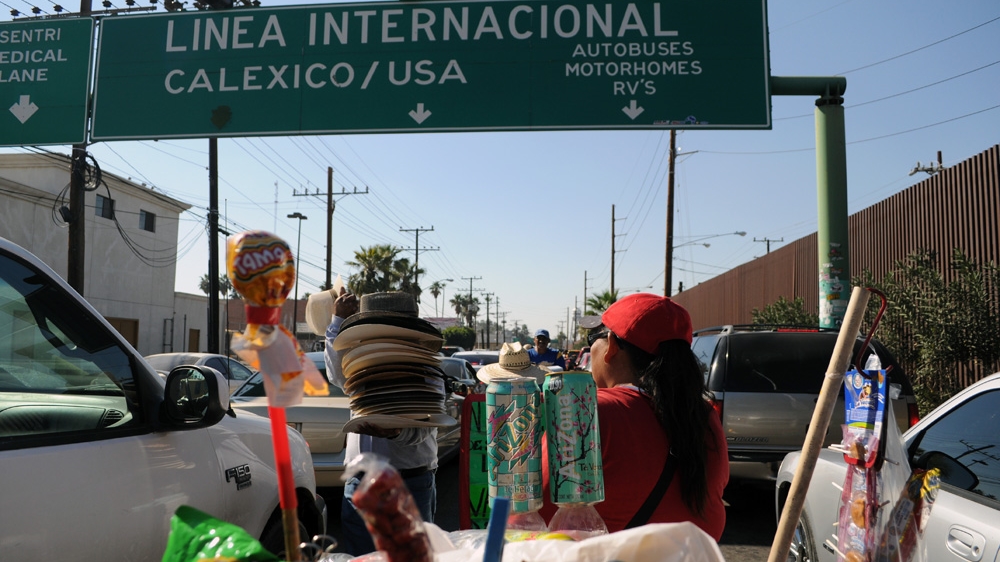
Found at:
(61, 372)
(970, 434)
(789, 363)
(704, 348)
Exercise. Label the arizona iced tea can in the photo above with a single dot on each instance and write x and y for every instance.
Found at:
(576, 474)
(514, 443)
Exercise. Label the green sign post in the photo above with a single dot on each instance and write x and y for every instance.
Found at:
(434, 66)
(44, 81)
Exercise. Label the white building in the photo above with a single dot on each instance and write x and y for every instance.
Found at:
(128, 273)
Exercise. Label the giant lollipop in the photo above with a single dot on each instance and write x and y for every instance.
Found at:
(262, 270)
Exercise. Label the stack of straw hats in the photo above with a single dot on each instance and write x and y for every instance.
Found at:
(391, 365)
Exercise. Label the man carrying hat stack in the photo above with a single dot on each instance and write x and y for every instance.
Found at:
(541, 354)
(412, 450)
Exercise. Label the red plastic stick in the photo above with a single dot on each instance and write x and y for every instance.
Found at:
(282, 458)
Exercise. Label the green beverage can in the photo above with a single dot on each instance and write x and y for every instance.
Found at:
(514, 442)
(576, 475)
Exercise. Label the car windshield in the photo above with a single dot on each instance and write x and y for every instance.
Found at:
(254, 387)
(60, 370)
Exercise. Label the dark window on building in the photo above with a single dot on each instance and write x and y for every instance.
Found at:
(147, 221)
(105, 207)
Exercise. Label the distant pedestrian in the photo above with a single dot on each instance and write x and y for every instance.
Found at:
(542, 354)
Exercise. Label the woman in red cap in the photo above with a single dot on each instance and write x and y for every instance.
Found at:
(651, 401)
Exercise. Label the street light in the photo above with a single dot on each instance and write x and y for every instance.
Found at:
(295, 309)
(699, 240)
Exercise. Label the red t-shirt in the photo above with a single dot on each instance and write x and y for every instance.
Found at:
(633, 451)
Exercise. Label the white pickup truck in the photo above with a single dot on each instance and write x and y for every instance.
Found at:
(98, 451)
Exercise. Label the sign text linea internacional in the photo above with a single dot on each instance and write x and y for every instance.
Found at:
(434, 66)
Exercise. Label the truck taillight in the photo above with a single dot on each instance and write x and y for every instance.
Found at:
(717, 407)
(912, 414)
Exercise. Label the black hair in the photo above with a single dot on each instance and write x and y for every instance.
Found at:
(673, 380)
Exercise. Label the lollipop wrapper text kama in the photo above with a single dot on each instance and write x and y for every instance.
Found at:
(262, 270)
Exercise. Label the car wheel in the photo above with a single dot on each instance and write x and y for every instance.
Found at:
(273, 537)
(803, 548)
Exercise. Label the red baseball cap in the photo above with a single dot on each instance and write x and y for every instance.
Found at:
(644, 320)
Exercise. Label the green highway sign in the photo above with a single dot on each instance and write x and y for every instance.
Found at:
(473, 65)
(45, 81)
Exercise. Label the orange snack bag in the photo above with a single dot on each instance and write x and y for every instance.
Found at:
(262, 270)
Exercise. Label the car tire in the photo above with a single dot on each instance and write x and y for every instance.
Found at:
(273, 537)
(803, 548)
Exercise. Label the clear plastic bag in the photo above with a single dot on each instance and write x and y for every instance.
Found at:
(389, 511)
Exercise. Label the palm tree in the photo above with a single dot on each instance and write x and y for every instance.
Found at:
(436, 289)
(407, 275)
(225, 286)
(377, 271)
(601, 301)
(466, 307)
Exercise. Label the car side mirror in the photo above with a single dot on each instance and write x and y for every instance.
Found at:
(953, 472)
(194, 397)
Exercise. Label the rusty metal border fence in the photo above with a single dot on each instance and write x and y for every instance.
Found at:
(958, 207)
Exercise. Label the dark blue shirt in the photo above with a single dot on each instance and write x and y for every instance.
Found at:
(551, 356)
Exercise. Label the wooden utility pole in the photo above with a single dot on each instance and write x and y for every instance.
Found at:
(331, 206)
(76, 256)
(213, 245)
(416, 250)
(668, 267)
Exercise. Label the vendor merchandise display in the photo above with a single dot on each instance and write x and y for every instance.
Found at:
(262, 270)
(514, 449)
(389, 511)
(391, 364)
(576, 477)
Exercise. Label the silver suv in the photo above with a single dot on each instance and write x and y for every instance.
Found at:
(764, 382)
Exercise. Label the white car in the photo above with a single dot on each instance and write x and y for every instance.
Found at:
(321, 419)
(98, 451)
(231, 368)
(961, 436)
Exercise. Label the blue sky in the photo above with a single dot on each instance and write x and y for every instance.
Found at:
(530, 212)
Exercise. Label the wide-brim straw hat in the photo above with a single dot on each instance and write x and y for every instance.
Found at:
(514, 362)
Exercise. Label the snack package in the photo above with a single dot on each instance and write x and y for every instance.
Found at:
(864, 414)
(389, 511)
(905, 527)
(856, 528)
(262, 270)
(198, 537)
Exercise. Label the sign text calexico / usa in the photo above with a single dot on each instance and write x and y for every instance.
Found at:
(434, 66)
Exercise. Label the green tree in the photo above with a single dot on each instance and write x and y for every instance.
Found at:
(787, 312)
(601, 301)
(436, 289)
(463, 336)
(376, 269)
(225, 286)
(466, 307)
(933, 325)
(521, 334)
(407, 276)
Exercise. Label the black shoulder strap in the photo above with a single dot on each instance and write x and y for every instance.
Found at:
(649, 506)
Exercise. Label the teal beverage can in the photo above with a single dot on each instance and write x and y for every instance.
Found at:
(576, 474)
(514, 443)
